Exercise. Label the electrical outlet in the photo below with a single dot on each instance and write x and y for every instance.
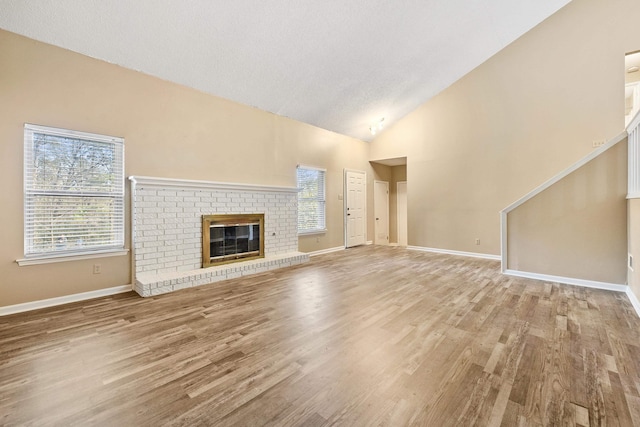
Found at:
(97, 268)
(477, 241)
(598, 143)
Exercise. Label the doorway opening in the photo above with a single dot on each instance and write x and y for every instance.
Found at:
(390, 175)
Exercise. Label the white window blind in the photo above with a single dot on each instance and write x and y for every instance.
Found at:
(311, 200)
(73, 191)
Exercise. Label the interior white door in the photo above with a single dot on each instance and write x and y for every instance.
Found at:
(355, 190)
(402, 213)
(381, 212)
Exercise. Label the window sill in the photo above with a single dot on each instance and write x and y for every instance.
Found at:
(73, 256)
(310, 232)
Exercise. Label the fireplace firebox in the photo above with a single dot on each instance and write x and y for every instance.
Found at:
(231, 238)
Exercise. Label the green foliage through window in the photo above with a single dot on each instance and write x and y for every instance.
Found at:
(74, 191)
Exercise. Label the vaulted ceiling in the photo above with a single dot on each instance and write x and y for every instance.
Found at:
(339, 65)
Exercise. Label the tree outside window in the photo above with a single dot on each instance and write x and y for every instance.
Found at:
(74, 191)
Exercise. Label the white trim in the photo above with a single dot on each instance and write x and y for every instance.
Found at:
(132, 207)
(315, 168)
(74, 256)
(457, 253)
(66, 132)
(635, 122)
(141, 181)
(568, 280)
(310, 232)
(503, 241)
(634, 300)
(51, 302)
(326, 251)
(369, 242)
(30, 191)
(633, 162)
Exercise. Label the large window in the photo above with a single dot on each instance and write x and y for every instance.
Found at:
(311, 200)
(73, 192)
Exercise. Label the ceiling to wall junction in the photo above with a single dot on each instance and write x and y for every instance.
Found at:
(337, 65)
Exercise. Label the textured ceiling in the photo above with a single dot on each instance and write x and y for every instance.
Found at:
(336, 64)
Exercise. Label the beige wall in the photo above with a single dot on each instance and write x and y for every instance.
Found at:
(169, 130)
(577, 227)
(520, 118)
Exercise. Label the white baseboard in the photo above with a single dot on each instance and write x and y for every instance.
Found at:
(51, 302)
(326, 251)
(369, 242)
(634, 300)
(568, 280)
(457, 253)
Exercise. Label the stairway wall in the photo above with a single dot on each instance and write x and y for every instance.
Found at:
(576, 228)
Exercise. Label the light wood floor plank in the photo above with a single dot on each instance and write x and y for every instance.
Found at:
(367, 336)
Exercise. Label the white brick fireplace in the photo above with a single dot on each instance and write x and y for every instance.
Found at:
(166, 217)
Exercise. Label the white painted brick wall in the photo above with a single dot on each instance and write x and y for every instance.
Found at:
(168, 223)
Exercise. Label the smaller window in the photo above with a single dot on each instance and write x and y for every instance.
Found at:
(311, 200)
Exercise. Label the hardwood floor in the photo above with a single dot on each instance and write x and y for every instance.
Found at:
(367, 336)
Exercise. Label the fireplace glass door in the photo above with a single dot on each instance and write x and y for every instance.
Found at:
(229, 238)
(233, 240)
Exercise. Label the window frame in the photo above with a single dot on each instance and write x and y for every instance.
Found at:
(322, 228)
(116, 244)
